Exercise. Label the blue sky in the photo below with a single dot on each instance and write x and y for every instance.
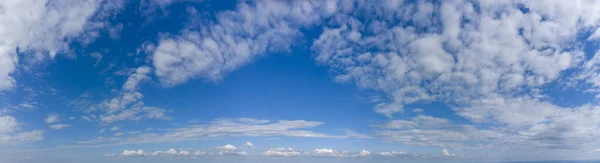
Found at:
(299, 81)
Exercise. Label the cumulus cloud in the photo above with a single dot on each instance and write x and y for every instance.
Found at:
(282, 152)
(488, 58)
(170, 152)
(8, 124)
(214, 49)
(40, 29)
(392, 153)
(248, 144)
(230, 150)
(9, 134)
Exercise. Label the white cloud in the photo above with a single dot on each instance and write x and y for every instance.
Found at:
(248, 144)
(364, 153)
(127, 104)
(115, 128)
(282, 152)
(102, 130)
(227, 147)
(9, 135)
(225, 46)
(422, 121)
(327, 152)
(221, 128)
(118, 134)
(96, 56)
(8, 124)
(392, 154)
(87, 118)
(52, 118)
(446, 153)
(230, 150)
(167, 153)
(37, 27)
(59, 126)
(71, 118)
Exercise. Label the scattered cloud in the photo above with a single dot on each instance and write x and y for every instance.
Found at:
(118, 134)
(9, 127)
(43, 30)
(393, 154)
(230, 150)
(52, 118)
(127, 104)
(115, 128)
(59, 126)
(170, 152)
(282, 152)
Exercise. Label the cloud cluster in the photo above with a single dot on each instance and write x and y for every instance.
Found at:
(326, 152)
(490, 59)
(170, 152)
(127, 104)
(225, 150)
(9, 135)
(230, 150)
(282, 152)
(54, 118)
(36, 30)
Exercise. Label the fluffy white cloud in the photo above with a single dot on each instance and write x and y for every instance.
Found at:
(114, 128)
(59, 126)
(170, 152)
(364, 153)
(8, 124)
(227, 147)
(52, 118)
(282, 152)
(464, 53)
(9, 135)
(230, 150)
(212, 50)
(39, 29)
(392, 154)
(327, 152)
(248, 144)
(446, 153)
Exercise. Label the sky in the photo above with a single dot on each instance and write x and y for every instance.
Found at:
(299, 81)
